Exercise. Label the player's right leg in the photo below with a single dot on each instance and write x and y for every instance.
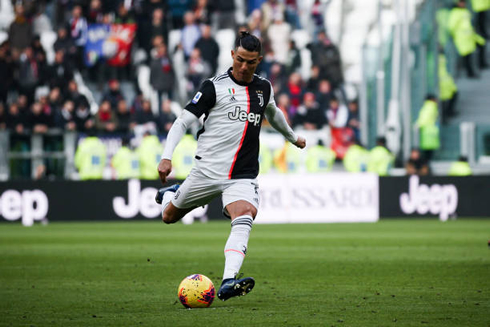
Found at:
(170, 213)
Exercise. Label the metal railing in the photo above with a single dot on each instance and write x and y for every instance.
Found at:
(33, 151)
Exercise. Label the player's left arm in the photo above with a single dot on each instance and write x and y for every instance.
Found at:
(277, 120)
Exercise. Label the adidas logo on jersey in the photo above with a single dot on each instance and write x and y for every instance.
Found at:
(232, 92)
(242, 115)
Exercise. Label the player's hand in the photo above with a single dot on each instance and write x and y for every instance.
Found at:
(164, 168)
(301, 142)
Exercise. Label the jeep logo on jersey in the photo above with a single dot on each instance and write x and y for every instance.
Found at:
(242, 115)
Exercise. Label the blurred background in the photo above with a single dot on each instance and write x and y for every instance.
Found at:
(90, 88)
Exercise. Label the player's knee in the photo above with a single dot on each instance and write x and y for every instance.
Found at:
(168, 219)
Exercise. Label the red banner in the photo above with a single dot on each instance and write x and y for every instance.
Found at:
(121, 35)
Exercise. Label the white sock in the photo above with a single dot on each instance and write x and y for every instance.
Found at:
(236, 246)
(167, 196)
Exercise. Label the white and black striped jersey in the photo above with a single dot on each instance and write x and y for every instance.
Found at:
(228, 143)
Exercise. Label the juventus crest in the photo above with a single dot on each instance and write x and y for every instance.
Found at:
(261, 99)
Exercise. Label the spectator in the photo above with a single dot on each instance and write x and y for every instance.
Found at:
(292, 14)
(342, 136)
(72, 94)
(84, 119)
(37, 47)
(39, 121)
(481, 10)
(41, 23)
(317, 16)
(90, 158)
(166, 118)
(461, 167)
(284, 104)
(380, 158)
(201, 12)
(356, 158)
(190, 34)
(326, 56)
(324, 94)
(42, 94)
(353, 121)
(54, 98)
(448, 90)
(162, 76)
(255, 23)
(270, 9)
(143, 116)
(66, 44)
(65, 117)
(177, 10)
(313, 82)
(23, 103)
(114, 94)
(209, 48)
(295, 90)
(78, 32)
(416, 164)
(197, 71)
(124, 16)
(6, 72)
(225, 13)
(159, 25)
(3, 117)
(43, 68)
(279, 34)
(464, 36)
(15, 119)
(293, 62)
(123, 117)
(28, 74)
(427, 122)
(267, 62)
(105, 119)
(20, 32)
(278, 78)
(137, 104)
(60, 71)
(310, 116)
(19, 142)
(95, 13)
(125, 161)
(337, 114)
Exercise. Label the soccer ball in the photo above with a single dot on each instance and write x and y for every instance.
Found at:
(196, 291)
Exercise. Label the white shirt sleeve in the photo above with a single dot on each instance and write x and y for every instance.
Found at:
(277, 120)
(177, 131)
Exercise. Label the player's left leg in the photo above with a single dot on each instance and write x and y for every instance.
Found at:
(241, 202)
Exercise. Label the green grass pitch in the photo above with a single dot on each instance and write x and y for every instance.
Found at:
(392, 273)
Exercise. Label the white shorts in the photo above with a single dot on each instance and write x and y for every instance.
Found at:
(198, 190)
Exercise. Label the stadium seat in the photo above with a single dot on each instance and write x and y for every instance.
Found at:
(47, 41)
(3, 36)
(301, 38)
(225, 39)
(6, 15)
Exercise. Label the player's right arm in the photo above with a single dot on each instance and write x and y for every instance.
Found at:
(177, 131)
(204, 100)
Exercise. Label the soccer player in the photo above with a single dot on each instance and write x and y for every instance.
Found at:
(226, 160)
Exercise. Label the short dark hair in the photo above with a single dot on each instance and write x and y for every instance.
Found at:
(248, 41)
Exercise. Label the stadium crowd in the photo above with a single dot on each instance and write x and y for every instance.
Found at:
(36, 95)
